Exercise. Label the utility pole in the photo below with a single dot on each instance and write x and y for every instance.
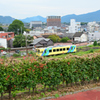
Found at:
(21, 29)
(26, 44)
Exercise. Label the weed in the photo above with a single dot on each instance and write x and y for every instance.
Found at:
(42, 94)
(49, 90)
(56, 95)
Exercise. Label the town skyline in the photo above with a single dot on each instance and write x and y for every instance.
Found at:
(22, 9)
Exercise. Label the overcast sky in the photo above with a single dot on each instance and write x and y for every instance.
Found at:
(21, 9)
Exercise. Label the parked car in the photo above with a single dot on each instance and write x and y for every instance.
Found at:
(17, 51)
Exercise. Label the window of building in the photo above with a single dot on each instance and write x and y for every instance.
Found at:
(9, 35)
(3, 36)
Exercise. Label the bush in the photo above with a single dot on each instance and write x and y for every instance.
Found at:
(91, 51)
(95, 43)
(65, 39)
(54, 38)
(16, 55)
(99, 44)
(30, 72)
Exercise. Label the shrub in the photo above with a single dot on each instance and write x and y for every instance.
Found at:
(16, 55)
(65, 39)
(99, 44)
(91, 50)
(54, 38)
(95, 43)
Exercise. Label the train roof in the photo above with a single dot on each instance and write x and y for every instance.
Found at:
(56, 46)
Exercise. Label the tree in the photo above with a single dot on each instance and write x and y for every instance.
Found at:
(17, 26)
(65, 39)
(20, 40)
(54, 38)
(95, 43)
(83, 23)
(1, 29)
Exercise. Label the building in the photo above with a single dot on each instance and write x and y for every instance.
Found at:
(3, 43)
(74, 26)
(8, 36)
(54, 21)
(35, 24)
(80, 37)
(93, 26)
(41, 42)
(94, 36)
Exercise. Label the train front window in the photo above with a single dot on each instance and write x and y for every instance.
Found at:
(45, 51)
(71, 48)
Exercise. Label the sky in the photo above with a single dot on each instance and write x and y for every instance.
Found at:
(21, 9)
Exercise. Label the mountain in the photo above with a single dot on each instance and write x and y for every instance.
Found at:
(35, 18)
(89, 17)
(6, 19)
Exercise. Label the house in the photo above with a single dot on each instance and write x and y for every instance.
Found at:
(41, 42)
(8, 36)
(80, 37)
(94, 36)
(69, 35)
(3, 43)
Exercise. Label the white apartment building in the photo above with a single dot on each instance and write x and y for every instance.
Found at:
(93, 26)
(94, 36)
(74, 26)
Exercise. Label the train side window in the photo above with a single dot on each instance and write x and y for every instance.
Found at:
(54, 50)
(71, 48)
(50, 50)
(57, 49)
(67, 48)
(61, 49)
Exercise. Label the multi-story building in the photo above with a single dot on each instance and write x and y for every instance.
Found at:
(54, 21)
(35, 24)
(74, 26)
(93, 26)
(7, 36)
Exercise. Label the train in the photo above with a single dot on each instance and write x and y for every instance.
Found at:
(54, 50)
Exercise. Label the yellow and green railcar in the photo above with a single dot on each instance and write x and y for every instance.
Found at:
(54, 50)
